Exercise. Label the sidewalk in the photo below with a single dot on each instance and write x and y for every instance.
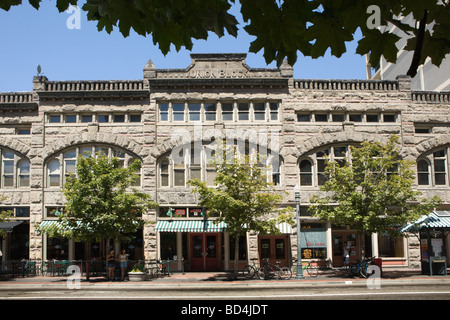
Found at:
(222, 280)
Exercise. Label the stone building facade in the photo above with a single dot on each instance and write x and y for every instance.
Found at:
(218, 95)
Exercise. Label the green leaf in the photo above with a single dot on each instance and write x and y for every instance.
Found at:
(378, 44)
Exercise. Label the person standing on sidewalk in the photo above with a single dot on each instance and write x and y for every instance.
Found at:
(123, 259)
(111, 264)
(346, 255)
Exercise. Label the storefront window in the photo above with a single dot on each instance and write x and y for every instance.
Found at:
(390, 246)
(242, 247)
(168, 245)
(313, 241)
(57, 248)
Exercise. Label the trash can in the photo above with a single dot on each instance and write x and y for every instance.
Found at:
(379, 262)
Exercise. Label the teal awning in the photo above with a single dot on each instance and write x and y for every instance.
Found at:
(56, 224)
(189, 226)
(435, 220)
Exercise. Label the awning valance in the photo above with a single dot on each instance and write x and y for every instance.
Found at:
(189, 226)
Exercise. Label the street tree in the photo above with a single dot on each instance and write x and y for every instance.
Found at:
(281, 28)
(101, 202)
(373, 192)
(5, 215)
(242, 197)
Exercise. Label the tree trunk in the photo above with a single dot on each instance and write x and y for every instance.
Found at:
(236, 255)
(412, 72)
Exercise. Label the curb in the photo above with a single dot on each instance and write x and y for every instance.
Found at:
(212, 285)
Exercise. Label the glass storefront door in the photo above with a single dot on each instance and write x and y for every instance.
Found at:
(274, 248)
(204, 252)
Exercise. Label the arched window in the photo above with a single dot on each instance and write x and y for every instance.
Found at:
(60, 166)
(195, 162)
(306, 173)
(423, 173)
(54, 173)
(15, 170)
(432, 168)
(24, 173)
(312, 169)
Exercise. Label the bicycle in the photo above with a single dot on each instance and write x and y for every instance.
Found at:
(313, 271)
(360, 268)
(269, 271)
(250, 270)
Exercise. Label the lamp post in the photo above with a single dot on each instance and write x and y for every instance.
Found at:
(299, 274)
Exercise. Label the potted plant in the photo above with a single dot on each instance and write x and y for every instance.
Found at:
(137, 273)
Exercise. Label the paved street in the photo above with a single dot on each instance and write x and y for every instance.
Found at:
(214, 295)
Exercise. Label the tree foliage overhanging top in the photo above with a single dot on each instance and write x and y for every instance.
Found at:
(281, 28)
(373, 193)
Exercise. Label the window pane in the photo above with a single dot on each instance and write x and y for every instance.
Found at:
(54, 180)
(273, 111)
(227, 112)
(8, 155)
(389, 118)
(55, 119)
(178, 111)
(135, 118)
(210, 109)
(23, 212)
(8, 167)
(338, 117)
(72, 118)
(423, 179)
(243, 112)
(179, 178)
(103, 118)
(196, 173)
(439, 178)
(439, 165)
(194, 111)
(355, 117)
(372, 118)
(303, 117)
(70, 166)
(260, 111)
(70, 154)
(119, 118)
(321, 117)
(8, 181)
(86, 118)
(164, 112)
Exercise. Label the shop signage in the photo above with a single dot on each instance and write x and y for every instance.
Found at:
(313, 238)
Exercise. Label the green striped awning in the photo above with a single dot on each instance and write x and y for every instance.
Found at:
(55, 224)
(189, 226)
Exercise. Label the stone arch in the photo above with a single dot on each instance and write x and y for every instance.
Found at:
(109, 139)
(429, 144)
(15, 145)
(165, 147)
(333, 138)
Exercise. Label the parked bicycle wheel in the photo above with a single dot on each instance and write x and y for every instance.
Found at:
(313, 271)
(284, 273)
(248, 272)
(265, 273)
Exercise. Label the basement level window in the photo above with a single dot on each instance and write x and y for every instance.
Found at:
(422, 130)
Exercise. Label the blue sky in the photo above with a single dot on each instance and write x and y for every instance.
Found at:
(30, 37)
